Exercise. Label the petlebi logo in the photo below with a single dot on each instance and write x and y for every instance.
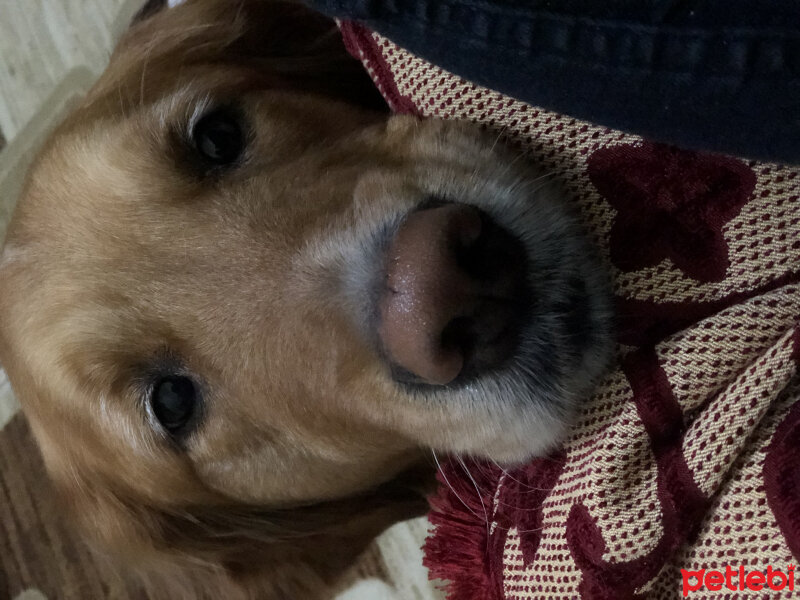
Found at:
(734, 578)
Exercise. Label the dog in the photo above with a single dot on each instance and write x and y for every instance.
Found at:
(242, 303)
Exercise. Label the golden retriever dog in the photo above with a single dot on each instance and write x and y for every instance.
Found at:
(241, 304)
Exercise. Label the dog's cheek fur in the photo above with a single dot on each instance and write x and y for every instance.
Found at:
(236, 552)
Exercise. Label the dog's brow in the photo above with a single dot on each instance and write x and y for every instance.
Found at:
(187, 96)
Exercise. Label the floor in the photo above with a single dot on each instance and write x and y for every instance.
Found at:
(50, 53)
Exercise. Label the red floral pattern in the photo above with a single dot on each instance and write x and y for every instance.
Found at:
(782, 476)
(686, 456)
(672, 204)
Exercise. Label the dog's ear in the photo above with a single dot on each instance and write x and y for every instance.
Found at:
(278, 44)
(239, 552)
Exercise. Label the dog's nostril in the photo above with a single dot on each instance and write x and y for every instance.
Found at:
(459, 335)
(487, 255)
(454, 281)
(467, 228)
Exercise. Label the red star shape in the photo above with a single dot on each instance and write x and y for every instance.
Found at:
(672, 204)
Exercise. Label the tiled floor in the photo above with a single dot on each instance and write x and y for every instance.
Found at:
(50, 53)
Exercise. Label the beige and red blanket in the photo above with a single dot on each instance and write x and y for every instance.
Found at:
(682, 475)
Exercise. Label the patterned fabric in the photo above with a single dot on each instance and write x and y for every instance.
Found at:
(687, 455)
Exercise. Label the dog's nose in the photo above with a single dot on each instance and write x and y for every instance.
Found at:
(455, 294)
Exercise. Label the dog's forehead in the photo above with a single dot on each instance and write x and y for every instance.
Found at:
(97, 176)
(82, 219)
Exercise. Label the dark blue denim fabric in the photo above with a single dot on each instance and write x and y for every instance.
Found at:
(720, 75)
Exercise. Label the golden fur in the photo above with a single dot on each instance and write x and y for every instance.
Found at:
(120, 259)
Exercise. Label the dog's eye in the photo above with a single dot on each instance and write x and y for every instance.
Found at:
(173, 402)
(218, 138)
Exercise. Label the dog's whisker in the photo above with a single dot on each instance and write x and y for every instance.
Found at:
(477, 489)
(498, 137)
(528, 487)
(449, 485)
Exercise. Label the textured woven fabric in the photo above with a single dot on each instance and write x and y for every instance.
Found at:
(687, 455)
